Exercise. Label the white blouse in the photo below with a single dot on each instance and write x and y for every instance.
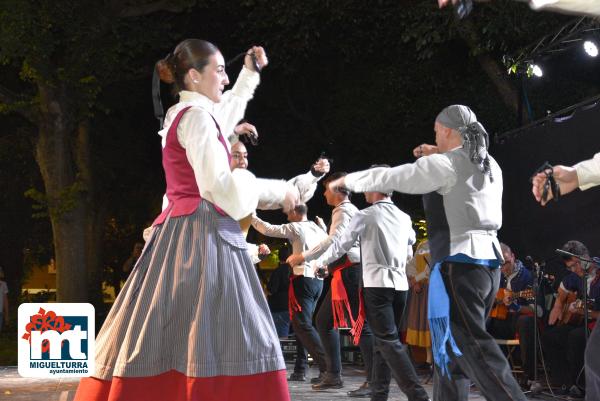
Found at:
(236, 192)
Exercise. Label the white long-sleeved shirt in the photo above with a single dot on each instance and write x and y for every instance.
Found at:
(579, 7)
(237, 192)
(302, 235)
(588, 172)
(340, 220)
(472, 201)
(386, 234)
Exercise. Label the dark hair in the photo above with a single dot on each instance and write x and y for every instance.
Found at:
(335, 176)
(284, 252)
(505, 247)
(388, 194)
(301, 209)
(576, 248)
(190, 53)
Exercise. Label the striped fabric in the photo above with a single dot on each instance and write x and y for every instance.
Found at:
(193, 304)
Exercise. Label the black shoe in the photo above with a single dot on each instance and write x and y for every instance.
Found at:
(317, 379)
(297, 377)
(423, 366)
(576, 392)
(362, 391)
(562, 390)
(329, 381)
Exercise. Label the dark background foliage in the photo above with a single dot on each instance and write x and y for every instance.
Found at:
(361, 81)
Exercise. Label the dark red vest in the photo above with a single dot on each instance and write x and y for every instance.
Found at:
(182, 189)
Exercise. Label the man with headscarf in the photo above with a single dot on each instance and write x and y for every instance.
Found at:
(464, 282)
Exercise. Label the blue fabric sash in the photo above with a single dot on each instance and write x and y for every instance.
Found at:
(438, 310)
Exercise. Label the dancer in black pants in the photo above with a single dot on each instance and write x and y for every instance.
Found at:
(467, 183)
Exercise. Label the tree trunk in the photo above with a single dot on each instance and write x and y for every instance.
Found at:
(60, 154)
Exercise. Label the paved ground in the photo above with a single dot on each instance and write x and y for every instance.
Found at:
(13, 387)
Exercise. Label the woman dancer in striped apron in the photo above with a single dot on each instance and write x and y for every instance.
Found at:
(191, 322)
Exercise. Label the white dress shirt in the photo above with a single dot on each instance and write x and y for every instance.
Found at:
(472, 202)
(386, 234)
(302, 235)
(237, 192)
(340, 220)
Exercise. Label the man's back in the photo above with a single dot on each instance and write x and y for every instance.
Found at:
(386, 234)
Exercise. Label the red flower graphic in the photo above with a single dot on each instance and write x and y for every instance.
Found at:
(45, 321)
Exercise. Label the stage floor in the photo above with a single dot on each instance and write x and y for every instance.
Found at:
(13, 387)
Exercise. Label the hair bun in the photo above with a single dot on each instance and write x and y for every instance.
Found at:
(164, 71)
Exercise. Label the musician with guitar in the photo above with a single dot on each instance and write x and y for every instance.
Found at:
(564, 343)
(512, 315)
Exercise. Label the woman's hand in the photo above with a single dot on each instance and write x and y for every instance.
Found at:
(261, 58)
(245, 129)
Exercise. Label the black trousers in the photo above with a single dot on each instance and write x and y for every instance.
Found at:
(508, 329)
(592, 365)
(330, 336)
(307, 291)
(564, 349)
(385, 307)
(472, 290)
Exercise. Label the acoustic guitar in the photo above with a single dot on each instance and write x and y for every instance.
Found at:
(500, 310)
(568, 317)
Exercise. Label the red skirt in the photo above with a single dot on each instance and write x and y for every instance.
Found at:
(173, 386)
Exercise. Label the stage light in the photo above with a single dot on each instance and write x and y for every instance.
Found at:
(590, 48)
(537, 70)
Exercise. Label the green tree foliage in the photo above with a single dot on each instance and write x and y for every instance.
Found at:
(61, 55)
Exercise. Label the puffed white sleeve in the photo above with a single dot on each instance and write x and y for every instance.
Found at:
(304, 185)
(578, 7)
(233, 103)
(237, 192)
(588, 172)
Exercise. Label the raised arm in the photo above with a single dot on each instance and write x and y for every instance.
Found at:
(427, 174)
(583, 175)
(343, 240)
(233, 103)
(340, 220)
(304, 184)
(236, 192)
(273, 230)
